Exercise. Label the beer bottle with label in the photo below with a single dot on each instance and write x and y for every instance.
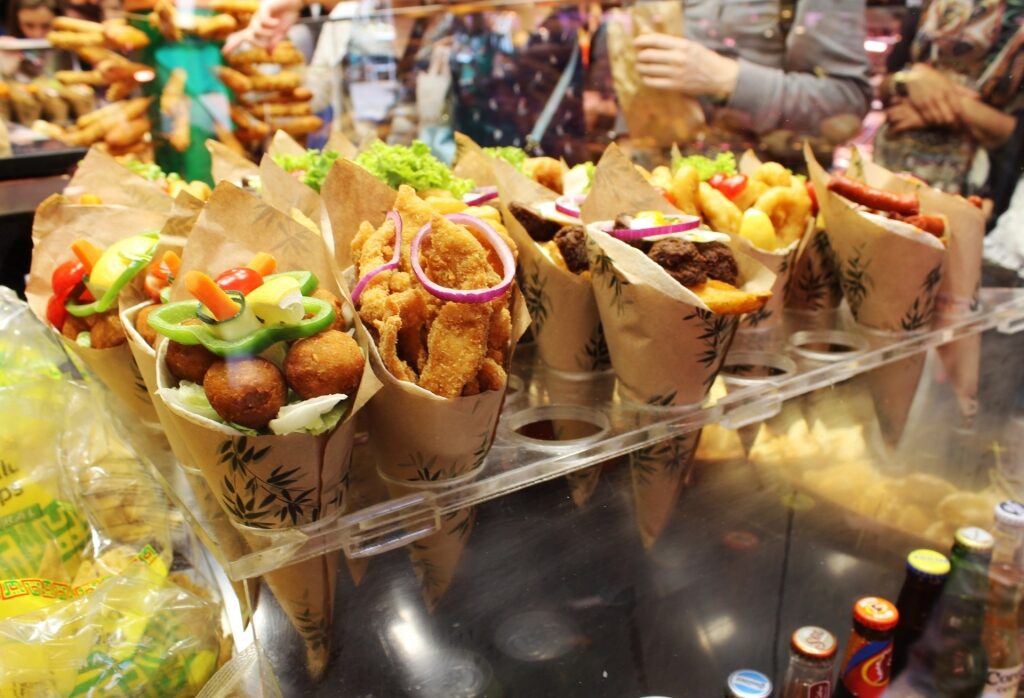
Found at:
(1008, 547)
(926, 573)
(865, 667)
(811, 658)
(1001, 635)
(747, 683)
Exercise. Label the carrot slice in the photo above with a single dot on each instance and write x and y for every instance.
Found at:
(87, 253)
(173, 262)
(206, 291)
(263, 263)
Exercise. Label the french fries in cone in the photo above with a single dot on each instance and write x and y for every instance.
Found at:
(267, 481)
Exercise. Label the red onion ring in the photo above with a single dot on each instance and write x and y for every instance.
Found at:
(393, 264)
(480, 195)
(480, 295)
(570, 205)
(682, 225)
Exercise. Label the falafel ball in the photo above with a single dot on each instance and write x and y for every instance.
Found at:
(189, 362)
(680, 259)
(107, 331)
(142, 325)
(328, 363)
(719, 262)
(73, 326)
(339, 319)
(249, 392)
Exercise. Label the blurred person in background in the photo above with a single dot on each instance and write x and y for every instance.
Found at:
(953, 98)
(27, 19)
(768, 73)
(30, 19)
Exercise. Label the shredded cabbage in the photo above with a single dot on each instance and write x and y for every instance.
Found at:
(315, 416)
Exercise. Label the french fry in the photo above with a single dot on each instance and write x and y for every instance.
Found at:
(235, 81)
(74, 40)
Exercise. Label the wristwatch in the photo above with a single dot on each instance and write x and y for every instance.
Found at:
(899, 84)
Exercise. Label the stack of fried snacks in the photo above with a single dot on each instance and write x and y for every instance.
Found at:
(122, 127)
(269, 92)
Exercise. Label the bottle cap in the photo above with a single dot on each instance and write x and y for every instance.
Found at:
(928, 564)
(875, 613)
(813, 642)
(747, 683)
(1010, 514)
(974, 539)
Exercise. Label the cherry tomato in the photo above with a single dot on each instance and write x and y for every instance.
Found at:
(731, 186)
(55, 312)
(240, 279)
(716, 180)
(65, 278)
(814, 198)
(667, 195)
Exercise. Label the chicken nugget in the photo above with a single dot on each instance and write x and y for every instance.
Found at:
(328, 363)
(249, 392)
(73, 326)
(142, 325)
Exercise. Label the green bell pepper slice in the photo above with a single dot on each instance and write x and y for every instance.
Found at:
(109, 297)
(307, 280)
(167, 321)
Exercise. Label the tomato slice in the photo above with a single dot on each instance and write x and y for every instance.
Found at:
(731, 186)
(716, 180)
(65, 277)
(242, 279)
(55, 312)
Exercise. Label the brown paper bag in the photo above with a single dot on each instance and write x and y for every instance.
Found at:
(101, 175)
(283, 144)
(57, 224)
(227, 165)
(285, 192)
(893, 387)
(659, 473)
(564, 318)
(654, 117)
(339, 143)
(890, 280)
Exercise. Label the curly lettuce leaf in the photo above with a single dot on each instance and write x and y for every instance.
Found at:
(413, 165)
(723, 163)
(510, 154)
(313, 164)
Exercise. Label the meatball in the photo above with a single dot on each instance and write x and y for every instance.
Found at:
(680, 259)
(324, 295)
(537, 226)
(719, 262)
(142, 325)
(572, 243)
(328, 363)
(249, 392)
(107, 331)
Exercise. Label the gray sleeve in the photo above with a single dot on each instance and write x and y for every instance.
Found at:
(825, 71)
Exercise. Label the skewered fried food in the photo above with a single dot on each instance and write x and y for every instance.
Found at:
(125, 37)
(216, 26)
(80, 77)
(119, 91)
(72, 40)
(296, 126)
(125, 134)
(280, 81)
(281, 109)
(236, 81)
(73, 24)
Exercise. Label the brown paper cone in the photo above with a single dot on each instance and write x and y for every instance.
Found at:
(352, 195)
(227, 165)
(890, 280)
(662, 117)
(471, 162)
(339, 143)
(116, 369)
(814, 280)
(103, 176)
(893, 387)
(283, 144)
(285, 192)
(306, 593)
(659, 473)
(666, 347)
(780, 263)
(962, 361)
(564, 318)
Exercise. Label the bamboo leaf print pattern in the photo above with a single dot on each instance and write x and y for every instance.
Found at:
(595, 352)
(605, 268)
(537, 302)
(855, 280)
(922, 310)
(716, 336)
(257, 501)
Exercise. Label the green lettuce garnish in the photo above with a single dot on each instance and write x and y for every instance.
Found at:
(724, 163)
(313, 164)
(151, 171)
(413, 165)
(510, 154)
(579, 179)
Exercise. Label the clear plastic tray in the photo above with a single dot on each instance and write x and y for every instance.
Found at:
(763, 369)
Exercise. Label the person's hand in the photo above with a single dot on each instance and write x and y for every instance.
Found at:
(902, 116)
(674, 63)
(934, 95)
(440, 57)
(268, 27)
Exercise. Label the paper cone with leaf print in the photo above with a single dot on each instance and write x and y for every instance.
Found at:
(267, 481)
(666, 345)
(228, 166)
(659, 473)
(352, 195)
(814, 280)
(101, 175)
(564, 319)
(56, 226)
(890, 272)
(893, 387)
(286, 193)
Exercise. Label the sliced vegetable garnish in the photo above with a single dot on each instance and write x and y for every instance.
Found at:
(167, 321)
(241, 279)
(215, 299)
(482, 295)
(307, 280)
(263, 263)
(87, 253)
(129, 263)
(480, 195)
(392, 264)
(677, 224)
(570, 205)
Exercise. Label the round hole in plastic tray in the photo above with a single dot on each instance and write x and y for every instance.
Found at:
(826, 345)
(557, 426)
(751, 367)
(536, 636)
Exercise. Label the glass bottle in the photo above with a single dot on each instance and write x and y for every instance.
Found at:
(1009, 534)
(865, 667)
(1001, 636)
(926, 573)
(811, 659)
(747, 683)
